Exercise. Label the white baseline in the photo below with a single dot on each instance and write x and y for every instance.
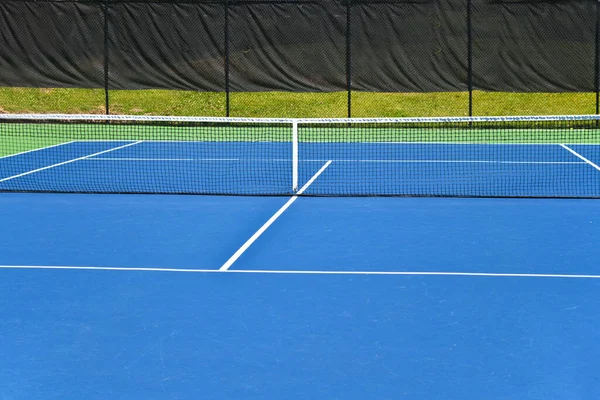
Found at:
(307, 272)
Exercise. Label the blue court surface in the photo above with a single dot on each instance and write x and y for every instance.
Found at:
(202, 297)
(232, 297)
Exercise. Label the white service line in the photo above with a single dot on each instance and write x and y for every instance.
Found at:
(68, 161)
(38, 149)
(461, 161)
(579, 156)
(266, 225)
(307, 272)
(344, 161)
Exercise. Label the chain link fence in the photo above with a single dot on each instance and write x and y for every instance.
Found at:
(300, 58)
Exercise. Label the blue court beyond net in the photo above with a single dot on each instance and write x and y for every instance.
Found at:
(554, 156)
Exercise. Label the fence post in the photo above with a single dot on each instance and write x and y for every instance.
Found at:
(470, 54)
(597, 58)
(349, 56)
(226, 60)
(106, 58)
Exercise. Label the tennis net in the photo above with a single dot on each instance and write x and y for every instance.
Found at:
(546, 156)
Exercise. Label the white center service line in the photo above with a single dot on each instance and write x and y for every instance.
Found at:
(304, 272)
(263, 228)
(576, 154)
(68, 161)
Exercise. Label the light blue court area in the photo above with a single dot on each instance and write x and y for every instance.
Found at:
(126, 296)
(270, 168)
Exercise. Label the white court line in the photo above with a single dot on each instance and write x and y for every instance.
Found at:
(308, 272)
(576, 154)
(344, 161)
(181, 159)
(477, 143)
(67, 162)
(338, 143)
(266, 225)
(460, 161)
(38, 149)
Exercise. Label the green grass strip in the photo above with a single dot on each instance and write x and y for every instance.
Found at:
(17, 137)
(292, 105)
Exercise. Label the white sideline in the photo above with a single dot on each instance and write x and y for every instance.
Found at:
(307, 272)
(38, 149)
(68, 161)
(266, 225)
(576, 154)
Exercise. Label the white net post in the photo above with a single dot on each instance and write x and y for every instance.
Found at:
(295, 156)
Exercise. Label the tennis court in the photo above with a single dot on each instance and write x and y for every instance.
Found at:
(343, 285)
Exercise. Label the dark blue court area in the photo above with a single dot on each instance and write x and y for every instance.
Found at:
(218, 297)
(422, 169)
